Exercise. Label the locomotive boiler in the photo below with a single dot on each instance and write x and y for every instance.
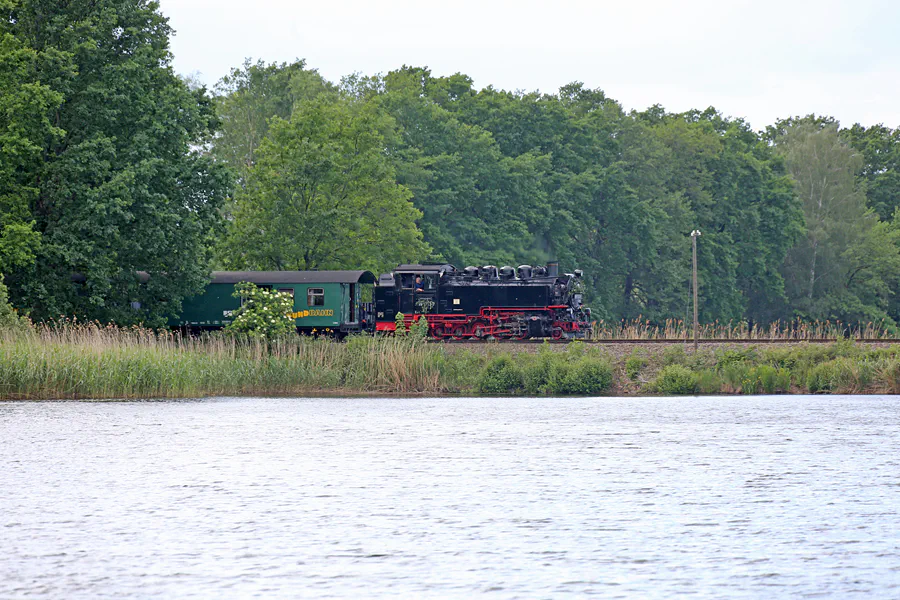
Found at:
(484, 302)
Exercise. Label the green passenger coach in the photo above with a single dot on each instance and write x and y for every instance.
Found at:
(334, 302)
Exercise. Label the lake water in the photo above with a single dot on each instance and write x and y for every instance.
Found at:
(738, 497)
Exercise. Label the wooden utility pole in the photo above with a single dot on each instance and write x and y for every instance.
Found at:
(694, 235)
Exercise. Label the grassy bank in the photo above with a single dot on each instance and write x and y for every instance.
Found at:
(70, 361)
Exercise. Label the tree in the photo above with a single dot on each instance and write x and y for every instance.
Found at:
(248, 97)
(26, 107)
(838, 270)
(119, 187)
(322, 195)
(880, 149)
(478, 206)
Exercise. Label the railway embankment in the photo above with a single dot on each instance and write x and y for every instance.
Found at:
(94, 362)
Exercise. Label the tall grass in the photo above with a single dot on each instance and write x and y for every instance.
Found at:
(796, 330)
(91, 361)
(69, 360)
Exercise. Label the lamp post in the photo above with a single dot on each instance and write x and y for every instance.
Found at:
(694, 235)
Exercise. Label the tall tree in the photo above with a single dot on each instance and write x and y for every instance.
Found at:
(322, 194)
(478, 206)
(27, 105)
(838, 270)
(119, 187)
(880, 149)
(249, 96)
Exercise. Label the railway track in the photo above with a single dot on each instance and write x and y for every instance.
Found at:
(673, 341)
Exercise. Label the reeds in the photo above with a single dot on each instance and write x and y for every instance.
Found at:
(796, 330)
(68, 360)
(74, 361)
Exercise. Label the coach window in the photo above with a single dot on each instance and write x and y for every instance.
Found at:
(288, 291)
(315, 297)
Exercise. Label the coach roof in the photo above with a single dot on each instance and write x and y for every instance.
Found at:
(270, 277)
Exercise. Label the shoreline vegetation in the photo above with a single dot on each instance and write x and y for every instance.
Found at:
(68, 361)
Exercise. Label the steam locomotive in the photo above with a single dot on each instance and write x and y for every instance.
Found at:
(472, 303)
(484, 302)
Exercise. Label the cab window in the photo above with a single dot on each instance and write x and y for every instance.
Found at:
(315, 297)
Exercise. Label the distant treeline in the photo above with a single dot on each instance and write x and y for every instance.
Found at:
(111, 164)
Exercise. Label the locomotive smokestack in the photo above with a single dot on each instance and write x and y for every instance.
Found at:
(553, 268)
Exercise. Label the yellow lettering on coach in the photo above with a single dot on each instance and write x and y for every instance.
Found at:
(316, 312)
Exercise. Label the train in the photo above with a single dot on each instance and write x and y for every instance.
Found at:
(484, 302)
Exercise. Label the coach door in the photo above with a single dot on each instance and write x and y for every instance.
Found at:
(354, 317)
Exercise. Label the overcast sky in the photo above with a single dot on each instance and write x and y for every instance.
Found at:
(756, 59)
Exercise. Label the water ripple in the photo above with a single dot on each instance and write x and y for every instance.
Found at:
(747, 497)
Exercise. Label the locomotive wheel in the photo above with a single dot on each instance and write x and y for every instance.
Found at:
(460, 332)
(479, 330)
(556, 333)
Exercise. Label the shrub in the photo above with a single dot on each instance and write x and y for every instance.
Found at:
(709, 382)
(501, 376)
(263, 313)
(750, 381)
(674, 355)
(772, 380)
(588, 378)
(676, 380)
(731, 357)
(890, 375)
(819, 379)
(842, 375)
(9, 317)
(634, 364)
(735, 375)
(561, 375)
(536, 375)
(418, 330)
(558, 378)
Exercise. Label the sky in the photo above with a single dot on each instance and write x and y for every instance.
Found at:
(760, 60)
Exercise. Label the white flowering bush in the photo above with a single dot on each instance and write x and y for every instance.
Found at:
(263, 313)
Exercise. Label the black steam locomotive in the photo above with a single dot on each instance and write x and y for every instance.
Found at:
(484, 302)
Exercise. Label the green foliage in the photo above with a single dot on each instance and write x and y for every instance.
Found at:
(880, 148)
(674, 355)
(500, 377)
(842, 375)
(400, 325)
(588, 377)
(110, 166)
(709, 382)
(577, 373)
(890, 374)
(263, 313)
(321, 194)
(9, 316)
(418, 330)
(250, 96)
(101, 173)
(634, 364)
(847, 263)
(730, 357)
(676, 380)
